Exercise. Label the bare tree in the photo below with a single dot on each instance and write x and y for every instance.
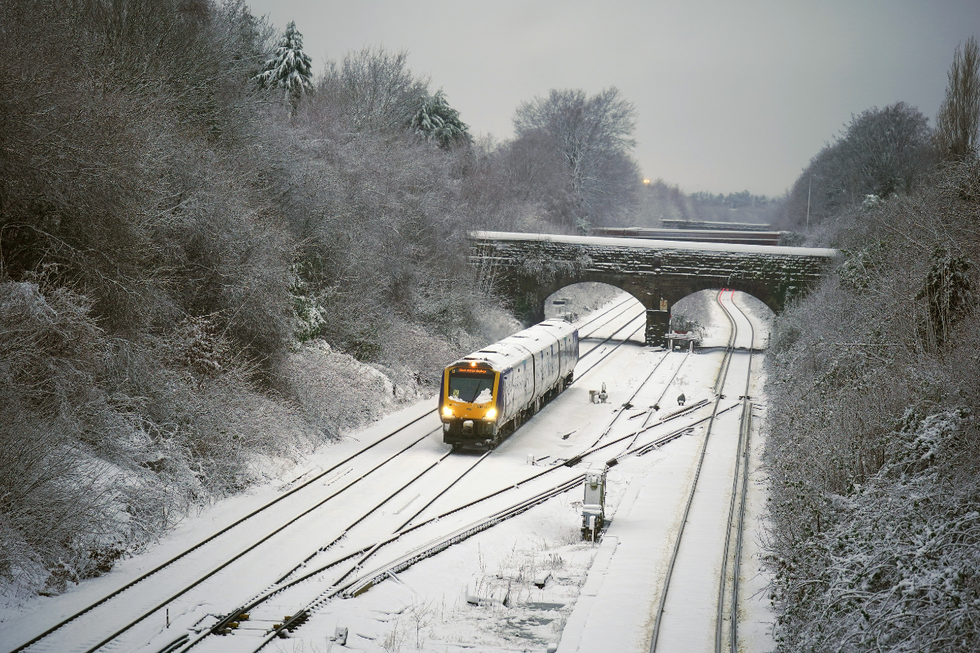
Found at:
(593, 137)
(959, 116)
(375, 90)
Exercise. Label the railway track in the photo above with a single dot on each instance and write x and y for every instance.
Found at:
(122, 595)
(332, 565)
(729, 578)
(355, 579)
(607, 313)
(689, 575)
(350, 583)
(134, 599)
(609, 316)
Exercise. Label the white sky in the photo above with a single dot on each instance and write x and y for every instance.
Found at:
(730, 96)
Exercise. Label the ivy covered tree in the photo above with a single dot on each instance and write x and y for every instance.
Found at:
(289, 68)
(947, 291)
(439, 122)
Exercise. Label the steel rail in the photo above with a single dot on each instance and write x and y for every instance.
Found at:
(368, 551)
(740, 531)
(640, 451)
(613, 334)
(339, 586)
(604, 313)
(284, 582)
(620, 413)
(359, 584)
(743, 461)
(364, 583)
(606, 355)
(241, 554)
(130, 585)
(443, 492)
(365, 515)
(64, 622)
(719, 383)
(656, 405)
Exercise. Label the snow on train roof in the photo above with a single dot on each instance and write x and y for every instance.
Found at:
(647, 243)
(515, 347)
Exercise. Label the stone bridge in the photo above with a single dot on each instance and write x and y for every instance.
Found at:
(527, 268)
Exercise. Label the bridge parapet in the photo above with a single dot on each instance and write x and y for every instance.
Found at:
(527, 268)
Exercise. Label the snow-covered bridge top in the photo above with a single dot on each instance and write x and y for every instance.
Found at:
(527, 268)
(647, 243)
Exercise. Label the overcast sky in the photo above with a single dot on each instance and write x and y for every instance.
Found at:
(730, 96)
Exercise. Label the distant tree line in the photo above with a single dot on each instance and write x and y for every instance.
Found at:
(661, 201)
(740, 200)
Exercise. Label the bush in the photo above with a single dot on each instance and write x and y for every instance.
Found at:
(51, 501)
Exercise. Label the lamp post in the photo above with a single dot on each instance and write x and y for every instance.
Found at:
(808, 189)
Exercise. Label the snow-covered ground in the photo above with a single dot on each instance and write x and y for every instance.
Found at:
(529, 583)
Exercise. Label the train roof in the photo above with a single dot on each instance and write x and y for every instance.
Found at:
(513, 349)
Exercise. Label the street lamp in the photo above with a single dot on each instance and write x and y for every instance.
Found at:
(808, 189)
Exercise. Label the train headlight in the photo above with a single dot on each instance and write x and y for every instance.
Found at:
(447, 412)
(491, 414)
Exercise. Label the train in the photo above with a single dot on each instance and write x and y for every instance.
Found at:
(487, 395)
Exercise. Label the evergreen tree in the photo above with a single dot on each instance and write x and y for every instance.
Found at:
(439, 122)
(289, 68)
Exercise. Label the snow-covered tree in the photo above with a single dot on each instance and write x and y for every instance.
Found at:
(947, 290)
(289, 68)
(374, 90)
(882, 152)
(958, 122)
(592, 138)
(439, 122)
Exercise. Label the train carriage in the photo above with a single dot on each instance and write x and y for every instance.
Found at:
(487, 395)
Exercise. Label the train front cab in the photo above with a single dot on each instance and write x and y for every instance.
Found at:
(468, 405)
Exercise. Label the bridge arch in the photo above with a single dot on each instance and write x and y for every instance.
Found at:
(530, 306)
(580, 298)
(527, 268)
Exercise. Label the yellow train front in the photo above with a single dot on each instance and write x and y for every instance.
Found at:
(490, 393)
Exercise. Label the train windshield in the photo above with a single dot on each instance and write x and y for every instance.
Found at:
(471, 387)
